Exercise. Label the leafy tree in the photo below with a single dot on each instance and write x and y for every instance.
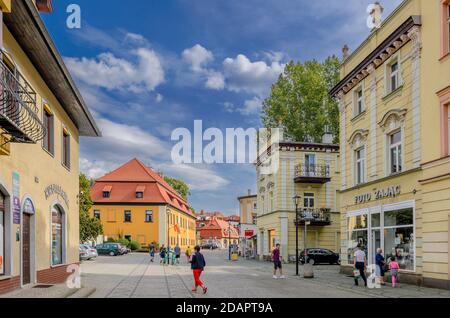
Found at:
(90, 227)
(300, 103)
(180, 186)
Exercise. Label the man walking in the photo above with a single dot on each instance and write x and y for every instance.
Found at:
(177, 253)
(276, 258)
(359, 263)
(151, 249)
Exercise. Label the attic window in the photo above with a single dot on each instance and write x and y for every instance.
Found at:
(140, 192)
(107, 192)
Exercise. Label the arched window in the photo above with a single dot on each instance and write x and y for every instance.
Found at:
(57, 236)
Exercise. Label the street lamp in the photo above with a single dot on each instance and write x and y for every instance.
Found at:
(229, 240)
(296, 200)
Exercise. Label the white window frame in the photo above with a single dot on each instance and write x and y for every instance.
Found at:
(395, 59)
(360, 166)
(311, 197)
(398, 145)
(357, 99)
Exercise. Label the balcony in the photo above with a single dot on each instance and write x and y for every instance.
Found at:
(312, 174)
(317, 217)
(18, 110)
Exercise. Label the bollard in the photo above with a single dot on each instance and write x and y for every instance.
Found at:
(308, 271)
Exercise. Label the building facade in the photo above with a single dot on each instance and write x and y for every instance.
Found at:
(218, 231)
(310, 171)
(395, 185)
(42, 117)
(248, 213)
(134, 202)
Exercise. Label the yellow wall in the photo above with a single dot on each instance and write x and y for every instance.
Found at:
(38, 169)
(247, 210)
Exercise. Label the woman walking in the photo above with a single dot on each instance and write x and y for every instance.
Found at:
(197, 265)
(380, 265)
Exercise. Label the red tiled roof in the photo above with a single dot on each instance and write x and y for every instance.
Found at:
(221, 227)
(134, 177)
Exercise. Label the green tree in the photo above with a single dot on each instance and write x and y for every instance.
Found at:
(90, 227)
(180, 186)
(300, 103)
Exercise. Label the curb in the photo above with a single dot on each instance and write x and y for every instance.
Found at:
(83, 292)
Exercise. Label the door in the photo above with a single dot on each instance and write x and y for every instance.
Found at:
(374, 245)
(26, 255)
(310, 165)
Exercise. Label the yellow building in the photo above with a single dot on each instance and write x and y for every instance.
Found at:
(135, 203)
(248, 214)
(395, 186)
(309, 170)
(42, 116)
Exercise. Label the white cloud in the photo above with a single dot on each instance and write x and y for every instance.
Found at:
(159, 98)
(198, 57)
(113, 73)
(251, 106)
(252, 77)
(135, 38)
(215, 80)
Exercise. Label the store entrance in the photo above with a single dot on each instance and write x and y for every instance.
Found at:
(374, 244)
(26, 255)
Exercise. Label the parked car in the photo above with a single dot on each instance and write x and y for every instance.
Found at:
(123, 249)
(320, 256)
(83, 254)
(210, 246)
(111, 249)
(91, 251)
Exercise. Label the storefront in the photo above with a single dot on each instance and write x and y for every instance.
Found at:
(390, 227)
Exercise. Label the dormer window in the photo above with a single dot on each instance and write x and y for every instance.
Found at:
(140, 192)
(107, 192)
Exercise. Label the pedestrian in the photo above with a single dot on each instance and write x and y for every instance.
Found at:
(188, 253)
(162, 254)
(380, 265)
(151, 250)
(177, 254)
(394, 267)
(276, 258)
(198, 264)
(359, 264)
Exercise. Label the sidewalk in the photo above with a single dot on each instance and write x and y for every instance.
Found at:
(330, 276)
(55, 291)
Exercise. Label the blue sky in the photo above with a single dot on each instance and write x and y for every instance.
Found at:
(146, 67)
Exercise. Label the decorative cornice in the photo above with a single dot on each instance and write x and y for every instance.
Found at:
(388, 47)
(362, 133)
(399, 113)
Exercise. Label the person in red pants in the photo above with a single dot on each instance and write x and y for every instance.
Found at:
(197, 265)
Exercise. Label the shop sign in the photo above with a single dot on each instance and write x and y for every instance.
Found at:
(249, 233)
(55, 189)
(390, 192)
(16, 197)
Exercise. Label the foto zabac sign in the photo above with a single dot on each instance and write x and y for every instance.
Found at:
(390, 192)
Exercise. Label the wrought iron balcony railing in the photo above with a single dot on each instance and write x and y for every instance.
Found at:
(312, 173)
(315, 216)
(18, 108)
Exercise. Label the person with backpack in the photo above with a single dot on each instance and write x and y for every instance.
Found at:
(162, 254)
(198, 264)
(151, 249)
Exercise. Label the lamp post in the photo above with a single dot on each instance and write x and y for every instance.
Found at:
(229, 240)
(296, 200)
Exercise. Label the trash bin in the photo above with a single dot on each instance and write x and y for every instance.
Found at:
(234, 256)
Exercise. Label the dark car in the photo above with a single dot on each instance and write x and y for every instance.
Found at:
(111, 249)
(320, 256)
(210, 246)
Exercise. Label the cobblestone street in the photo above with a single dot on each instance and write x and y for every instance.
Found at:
(133, 276)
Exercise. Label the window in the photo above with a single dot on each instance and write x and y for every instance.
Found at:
(360, 163)
(271, 201)
(57, 236)
(445, 33)
(2, 235)
(395, 152)
(310, 165)
(255, 206)
(254, 219)
(357, 235)
(128, 237)
(149, 216)
(106, 194)
(308, 200)
(127, 216)
(394, 79)
(139, 195)
(359, 102)
(97, 214)
(48, 122)
(66, 149)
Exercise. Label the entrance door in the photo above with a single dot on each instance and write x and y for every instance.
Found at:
(26, 256)
(375, 244)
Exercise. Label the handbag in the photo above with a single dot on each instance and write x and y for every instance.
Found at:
(356, 273)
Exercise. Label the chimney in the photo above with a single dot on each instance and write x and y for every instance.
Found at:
(44, 6)
(345, 52)
(327, 137)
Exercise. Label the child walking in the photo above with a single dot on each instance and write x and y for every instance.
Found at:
(394, 267)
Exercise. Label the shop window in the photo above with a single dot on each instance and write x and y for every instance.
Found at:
(97, 214)
(360, 165)
(148, 216)
(2, 235)
(48, 122)
(358, 103)
(57, 236)
(357, 235)
(66, 149)
(127, 216)
(395, 152)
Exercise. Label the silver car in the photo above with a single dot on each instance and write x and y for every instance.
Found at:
(90, 251)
